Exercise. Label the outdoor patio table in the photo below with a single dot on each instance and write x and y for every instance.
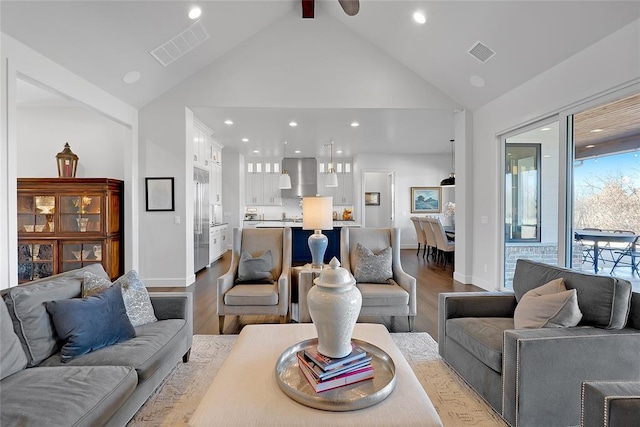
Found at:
(604, 236)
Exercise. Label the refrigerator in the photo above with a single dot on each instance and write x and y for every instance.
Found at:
(200, 219)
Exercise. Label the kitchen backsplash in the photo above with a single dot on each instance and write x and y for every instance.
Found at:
(292, 208)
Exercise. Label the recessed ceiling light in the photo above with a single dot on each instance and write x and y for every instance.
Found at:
(297, 151)
(293, 124)
(245, 139)
(228, 122)
(195, 12)
(546, 156)
(131, 77)
(589, 146)
(545, 129)
(338, 151)
(419, 17)
(476, 81)
(255, 151)
(355, 124)
(596, 130)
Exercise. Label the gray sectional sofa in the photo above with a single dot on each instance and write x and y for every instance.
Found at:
(534, 377)
(104, 387)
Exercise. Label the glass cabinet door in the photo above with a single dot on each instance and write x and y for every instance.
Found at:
(36, 214)
(81, 213)
(35, 260)
(79, 254)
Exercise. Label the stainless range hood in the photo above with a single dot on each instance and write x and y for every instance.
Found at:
(304, 177)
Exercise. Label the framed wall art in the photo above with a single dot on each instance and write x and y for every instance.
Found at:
(372, 199)
(426, 199)
(159, 194)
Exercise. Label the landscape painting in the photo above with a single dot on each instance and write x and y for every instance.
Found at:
(426, 199)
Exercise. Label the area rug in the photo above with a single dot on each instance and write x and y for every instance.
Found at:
(177, 398)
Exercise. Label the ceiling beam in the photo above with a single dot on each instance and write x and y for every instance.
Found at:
(308, 8)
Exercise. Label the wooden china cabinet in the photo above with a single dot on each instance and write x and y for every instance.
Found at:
(67, 223)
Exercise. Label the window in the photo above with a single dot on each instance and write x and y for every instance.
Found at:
(522, 192)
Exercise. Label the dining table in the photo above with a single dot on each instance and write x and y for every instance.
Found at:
(603, 236)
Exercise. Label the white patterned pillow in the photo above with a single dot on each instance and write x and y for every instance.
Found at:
(372, 268)
(134, 294)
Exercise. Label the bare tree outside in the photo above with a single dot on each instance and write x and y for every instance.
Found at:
(609, 201)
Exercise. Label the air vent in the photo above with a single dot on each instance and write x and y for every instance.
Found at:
(481, 52)
(180, 44)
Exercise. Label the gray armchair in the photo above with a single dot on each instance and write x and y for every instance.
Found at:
(257, 298)
(397, 298)
(533, 377)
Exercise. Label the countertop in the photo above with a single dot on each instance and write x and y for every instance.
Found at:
(298, 224)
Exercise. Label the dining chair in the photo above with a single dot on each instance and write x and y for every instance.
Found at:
(445, 246)
(430, 237)
(420, 234)
(258, 281)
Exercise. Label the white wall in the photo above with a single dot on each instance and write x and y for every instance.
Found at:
(410, 171)
(20, 61)
(97, 141)
(270, 69)
(609, 63)
(377, 216)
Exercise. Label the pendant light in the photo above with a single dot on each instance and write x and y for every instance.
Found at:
(284, 182)
(451, 181)
(332, 177)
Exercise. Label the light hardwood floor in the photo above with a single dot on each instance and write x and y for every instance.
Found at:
(431, 278)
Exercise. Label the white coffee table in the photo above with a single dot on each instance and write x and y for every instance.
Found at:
(245, 391)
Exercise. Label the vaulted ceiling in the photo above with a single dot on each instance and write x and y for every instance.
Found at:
(102, 41)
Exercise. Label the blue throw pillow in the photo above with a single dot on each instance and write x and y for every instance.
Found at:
(91, 323)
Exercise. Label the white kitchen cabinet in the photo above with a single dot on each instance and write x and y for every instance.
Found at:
(217, 242)
(261, 183)
(202, 145)
(343, 193)
(253, 189)
(216, 185)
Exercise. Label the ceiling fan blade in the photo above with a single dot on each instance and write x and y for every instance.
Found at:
(350, 7)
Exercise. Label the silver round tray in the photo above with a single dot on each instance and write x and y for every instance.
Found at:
(348, 398)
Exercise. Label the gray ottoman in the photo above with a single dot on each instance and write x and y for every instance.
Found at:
(610, 404)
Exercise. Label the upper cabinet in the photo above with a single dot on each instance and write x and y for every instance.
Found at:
(207, 154)
(343, 194)
(261, 182)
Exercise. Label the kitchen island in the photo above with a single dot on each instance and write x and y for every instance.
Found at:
(301, 254)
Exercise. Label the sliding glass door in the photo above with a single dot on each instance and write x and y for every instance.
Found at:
(531, 170)
(606, 188)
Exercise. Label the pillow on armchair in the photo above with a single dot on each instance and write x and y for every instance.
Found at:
(255, 269)
(372, 268)
(548, 306)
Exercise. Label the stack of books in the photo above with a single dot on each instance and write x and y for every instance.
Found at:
(325, 373)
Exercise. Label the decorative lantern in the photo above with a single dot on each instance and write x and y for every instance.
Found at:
(67, 162)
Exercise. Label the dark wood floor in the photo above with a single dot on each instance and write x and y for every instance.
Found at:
(431, 278)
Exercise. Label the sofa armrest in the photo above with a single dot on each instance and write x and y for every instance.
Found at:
(452, 305)
(543, 370)
(610, 403)
(172, 305)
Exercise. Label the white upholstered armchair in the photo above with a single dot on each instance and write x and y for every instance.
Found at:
(380, 297)
(259, 278)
